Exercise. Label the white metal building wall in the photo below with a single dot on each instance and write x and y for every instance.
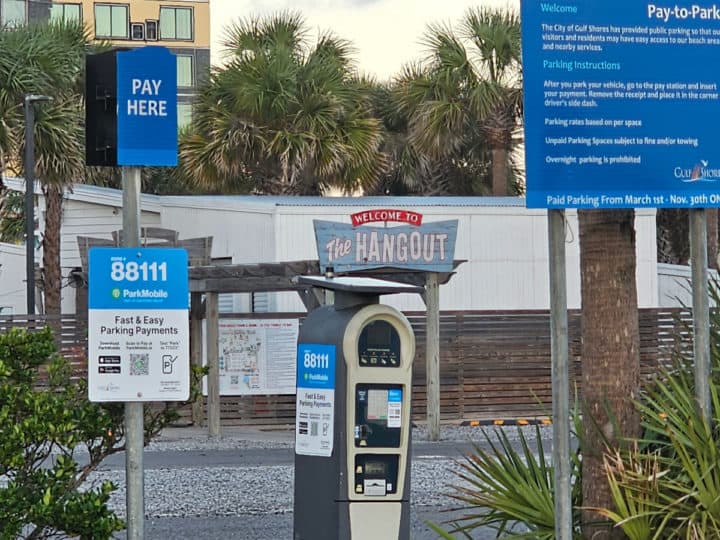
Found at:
(82, 218)
(12, 279)
(505, 248)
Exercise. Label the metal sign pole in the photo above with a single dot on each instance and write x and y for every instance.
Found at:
(134, 414)
(560, 375)
(29, 205)
(701, 308)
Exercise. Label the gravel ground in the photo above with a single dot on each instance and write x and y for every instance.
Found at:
(252, 490)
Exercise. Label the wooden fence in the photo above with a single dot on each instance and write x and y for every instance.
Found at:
(492, 364)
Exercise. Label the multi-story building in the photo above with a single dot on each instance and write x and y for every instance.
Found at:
(183, 26)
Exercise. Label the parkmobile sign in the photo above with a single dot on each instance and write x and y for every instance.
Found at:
(139, 344)
(356, 246)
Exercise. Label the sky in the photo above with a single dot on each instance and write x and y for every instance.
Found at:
(385, 33)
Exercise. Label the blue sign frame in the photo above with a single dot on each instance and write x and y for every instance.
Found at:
(147, 107)
(137, 278)
(619, 98)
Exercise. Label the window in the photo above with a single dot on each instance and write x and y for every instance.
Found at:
(151, 28)
(175, 23)
(184, 70)
(111, 21)
(184, 114)
(137, 31)
(12, 12)
(65, 12)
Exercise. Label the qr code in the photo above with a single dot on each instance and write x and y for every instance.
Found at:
(140, 364)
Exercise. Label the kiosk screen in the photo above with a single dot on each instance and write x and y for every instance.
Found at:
(378, 418)
(379, 345)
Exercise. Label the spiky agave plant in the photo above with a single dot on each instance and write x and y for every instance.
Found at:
(508, 490)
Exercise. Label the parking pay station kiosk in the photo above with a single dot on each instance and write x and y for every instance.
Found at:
(352, 432)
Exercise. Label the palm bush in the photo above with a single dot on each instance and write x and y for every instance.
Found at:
(668, 486)
(664, 485)
(508, 490)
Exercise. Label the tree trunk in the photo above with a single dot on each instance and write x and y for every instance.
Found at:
(610, 351)
(499, 172)
(52, 278)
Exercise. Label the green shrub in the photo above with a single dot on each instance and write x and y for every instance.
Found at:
(45, 419)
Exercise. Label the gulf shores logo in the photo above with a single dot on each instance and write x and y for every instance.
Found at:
(699, 173)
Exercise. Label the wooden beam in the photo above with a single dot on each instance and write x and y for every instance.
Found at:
(196, 350)
(213, 376)
(243, 284)
(432, 355)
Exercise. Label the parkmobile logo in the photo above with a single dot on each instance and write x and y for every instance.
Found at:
(699, 173)
(145, 293)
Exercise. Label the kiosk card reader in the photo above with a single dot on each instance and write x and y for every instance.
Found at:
(352, 432)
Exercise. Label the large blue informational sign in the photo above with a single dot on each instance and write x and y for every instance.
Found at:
(147, 107)
(621, 102)
(138, 328)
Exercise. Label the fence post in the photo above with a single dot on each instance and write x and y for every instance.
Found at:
(213, 376)
(432, 355)
(196, 344)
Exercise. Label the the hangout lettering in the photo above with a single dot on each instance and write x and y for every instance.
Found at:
(388, 248)
(145, 106)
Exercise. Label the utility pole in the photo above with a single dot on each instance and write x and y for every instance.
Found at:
(30, 100)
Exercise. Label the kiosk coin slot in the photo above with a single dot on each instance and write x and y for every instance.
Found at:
(353, 483)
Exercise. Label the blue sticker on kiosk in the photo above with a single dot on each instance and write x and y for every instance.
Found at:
(316, 366)
(395, 396)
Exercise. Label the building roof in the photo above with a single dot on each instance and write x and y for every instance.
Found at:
(270, 201)
(113, 197)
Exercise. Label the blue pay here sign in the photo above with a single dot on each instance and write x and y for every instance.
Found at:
(147, 107)
(315, 399)
(620, 99)
(138, 344)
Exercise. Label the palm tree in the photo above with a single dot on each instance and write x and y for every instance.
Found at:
(45, 59)
(282, 116)
(464, 101)
(12, 223)
(610, 351)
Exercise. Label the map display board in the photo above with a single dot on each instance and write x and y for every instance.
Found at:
(620, 102)
(257, 356)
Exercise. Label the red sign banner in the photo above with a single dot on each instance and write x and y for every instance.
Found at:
(386, 214)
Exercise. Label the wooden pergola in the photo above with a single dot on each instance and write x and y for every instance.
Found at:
(209, 281)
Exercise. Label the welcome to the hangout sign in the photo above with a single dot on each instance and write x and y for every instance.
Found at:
(417, 246)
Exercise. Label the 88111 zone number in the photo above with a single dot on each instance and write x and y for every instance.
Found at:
(316, 361)
(133, 271)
